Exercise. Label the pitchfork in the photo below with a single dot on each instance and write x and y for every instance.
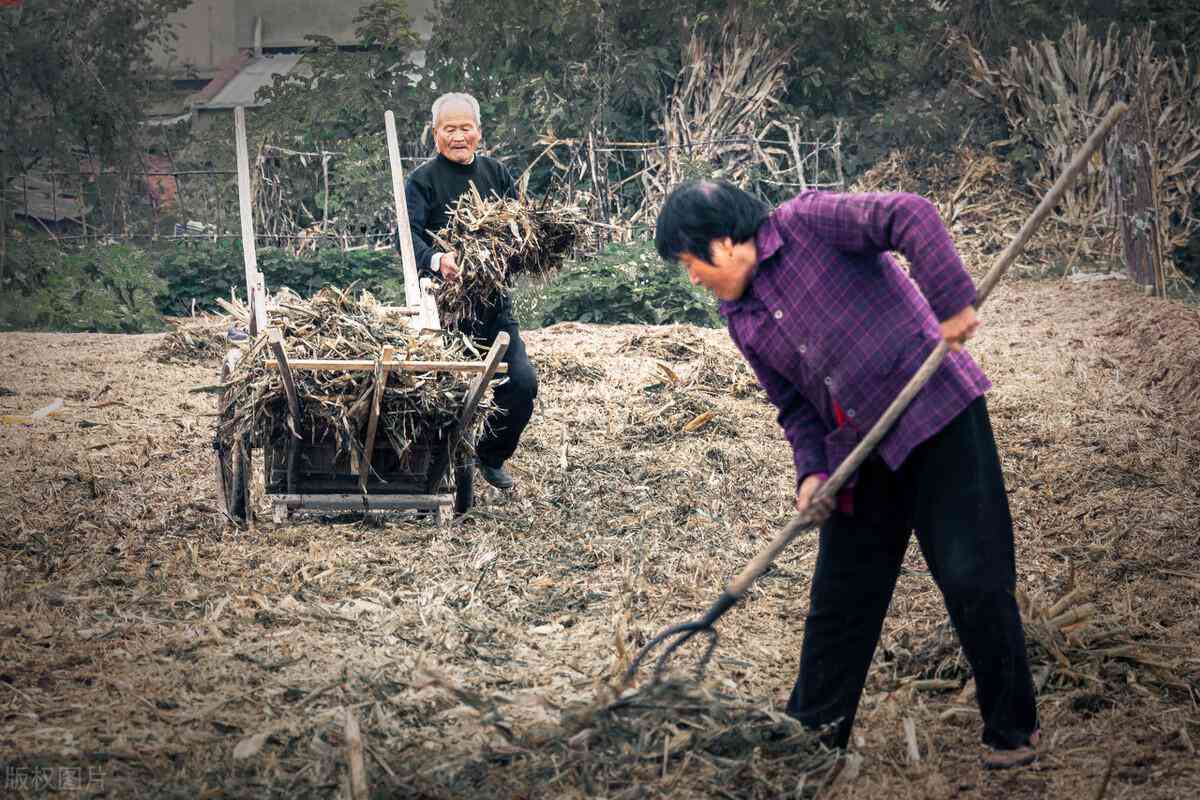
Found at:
(800, 523)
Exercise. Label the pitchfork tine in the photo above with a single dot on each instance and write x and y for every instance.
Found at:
(684, 632)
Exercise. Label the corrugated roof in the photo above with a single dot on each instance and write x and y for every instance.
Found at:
(257, 73)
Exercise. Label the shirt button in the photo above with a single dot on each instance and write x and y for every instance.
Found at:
(828, 381)
(778, 314)
(803, 349)
(850, 413)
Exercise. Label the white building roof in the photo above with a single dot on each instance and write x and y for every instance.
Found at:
(258, 72)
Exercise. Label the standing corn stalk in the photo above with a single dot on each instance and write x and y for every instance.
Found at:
(1052, 93)
(717, 113)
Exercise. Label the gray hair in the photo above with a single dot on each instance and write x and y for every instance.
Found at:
(455, 97)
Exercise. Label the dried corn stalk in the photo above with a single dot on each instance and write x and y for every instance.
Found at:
(718, 113)
(497, 239)
(1053, 92)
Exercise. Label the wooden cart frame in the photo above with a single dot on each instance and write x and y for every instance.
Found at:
(309, 472)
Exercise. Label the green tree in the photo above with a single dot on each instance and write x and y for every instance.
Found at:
(340, 94)
(76, 74)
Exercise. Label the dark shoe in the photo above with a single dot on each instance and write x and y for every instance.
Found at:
(1017, 757)
(496, 476)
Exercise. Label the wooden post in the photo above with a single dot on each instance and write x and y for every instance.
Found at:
(412, 287)
(325, 179)
(3, 216)
(429, 318)
(82, 205)
(255, 289)
(1133, 193)
(275, 338)
(792, 137)
(837, 154)
(381, 373)
(475, 391)
(354, 756)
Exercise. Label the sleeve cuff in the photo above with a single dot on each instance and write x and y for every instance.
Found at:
(950, 302)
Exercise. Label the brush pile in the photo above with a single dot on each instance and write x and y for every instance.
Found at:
(675, 736)
(192, 342)
(335, 325)
(497, 239)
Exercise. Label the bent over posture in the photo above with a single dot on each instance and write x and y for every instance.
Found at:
(431, 191)
(834, 329)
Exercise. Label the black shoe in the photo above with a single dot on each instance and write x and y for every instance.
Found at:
(496, 476)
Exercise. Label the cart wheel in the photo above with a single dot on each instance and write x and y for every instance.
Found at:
(233, 464)
(234, 470)
(464, 495)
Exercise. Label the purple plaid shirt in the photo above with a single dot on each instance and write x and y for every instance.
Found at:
(829, 317)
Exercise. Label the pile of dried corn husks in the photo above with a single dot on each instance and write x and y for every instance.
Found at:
(643, 743)
(336, 325)
(497, 239)
(192, 342)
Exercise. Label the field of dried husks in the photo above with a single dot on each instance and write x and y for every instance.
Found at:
(147, 648)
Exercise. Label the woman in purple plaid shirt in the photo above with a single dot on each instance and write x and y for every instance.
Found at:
(834, 328)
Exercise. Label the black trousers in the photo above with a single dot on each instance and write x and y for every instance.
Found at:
(951, 491)
(514, 397)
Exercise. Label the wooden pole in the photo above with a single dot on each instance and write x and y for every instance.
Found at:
(82, 205)
(837, 154)
(354, 756)
(412, 286)
(381, 373)
(363, 365)
(3, 216)
(792, 136)
(255, 289)
(475, 392)
(429, 318)
(275, 338)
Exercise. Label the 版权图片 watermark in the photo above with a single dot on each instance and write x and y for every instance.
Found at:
(56, 778)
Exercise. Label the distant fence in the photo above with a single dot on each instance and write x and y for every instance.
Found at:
(618, 183)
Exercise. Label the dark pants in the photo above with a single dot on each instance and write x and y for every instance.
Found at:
(514, 397)
(951, 491)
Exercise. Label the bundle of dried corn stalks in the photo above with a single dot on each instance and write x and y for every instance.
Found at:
(335, 325)
(718, 114)
(497, 239)
(192, 342)
(1053, 92)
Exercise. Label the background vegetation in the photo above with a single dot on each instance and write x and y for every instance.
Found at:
(75, 79)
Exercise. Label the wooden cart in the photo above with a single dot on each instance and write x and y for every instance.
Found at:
(432, 474)
(306, 472)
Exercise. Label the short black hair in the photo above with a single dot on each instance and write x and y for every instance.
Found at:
(697, 213)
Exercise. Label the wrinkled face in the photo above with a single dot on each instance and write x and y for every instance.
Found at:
(457, 135)
(728, 269)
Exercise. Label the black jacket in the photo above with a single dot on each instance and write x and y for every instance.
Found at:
(433, 187)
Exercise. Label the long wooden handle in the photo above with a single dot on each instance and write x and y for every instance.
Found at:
(255, 289)
(802, 522)
(408, 261)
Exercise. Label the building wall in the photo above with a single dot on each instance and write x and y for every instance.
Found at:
(287, 22)
(207, 37)
(212, 31)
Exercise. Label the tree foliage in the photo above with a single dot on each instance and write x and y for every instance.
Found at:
(342, 94)
(78, 74)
